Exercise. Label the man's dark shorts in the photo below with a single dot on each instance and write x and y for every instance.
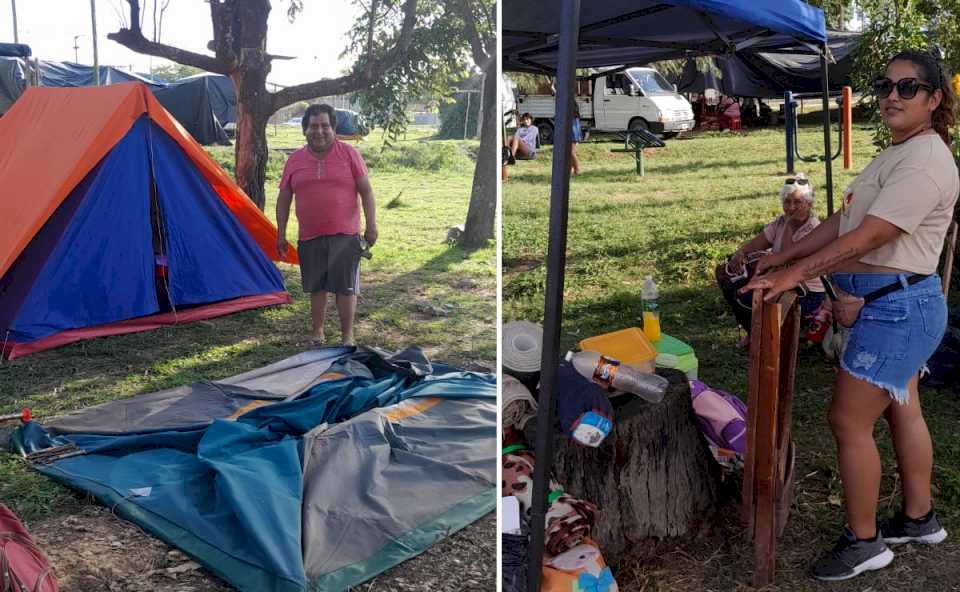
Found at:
(331, 263)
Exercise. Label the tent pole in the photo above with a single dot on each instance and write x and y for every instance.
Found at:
(553, 297)
(827, 152)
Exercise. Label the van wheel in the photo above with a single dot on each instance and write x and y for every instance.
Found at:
(638, 123)
(546, 132)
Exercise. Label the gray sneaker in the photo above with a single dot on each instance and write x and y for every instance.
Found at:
(903, 529)
(851, 557)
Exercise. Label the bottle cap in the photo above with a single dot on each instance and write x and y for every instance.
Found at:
(569, 356)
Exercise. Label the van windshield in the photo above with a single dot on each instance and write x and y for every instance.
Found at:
(650, 81)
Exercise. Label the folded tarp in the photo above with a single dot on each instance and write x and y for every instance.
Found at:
(379, 458)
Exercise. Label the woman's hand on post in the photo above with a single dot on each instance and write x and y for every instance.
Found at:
(774, 283)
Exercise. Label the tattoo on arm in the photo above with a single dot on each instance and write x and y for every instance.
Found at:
(822, 265)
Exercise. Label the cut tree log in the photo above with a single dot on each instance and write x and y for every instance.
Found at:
(653, 477)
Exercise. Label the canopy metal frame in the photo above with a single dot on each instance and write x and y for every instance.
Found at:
(567, 43)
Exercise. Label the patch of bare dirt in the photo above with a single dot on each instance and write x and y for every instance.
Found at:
(94, 551)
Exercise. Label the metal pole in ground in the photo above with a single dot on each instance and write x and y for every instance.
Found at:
(96, 60)
(789, 122)
(827, 152)
(13, 4)
(553, 296)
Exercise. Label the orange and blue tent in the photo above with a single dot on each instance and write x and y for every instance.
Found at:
(114, 220)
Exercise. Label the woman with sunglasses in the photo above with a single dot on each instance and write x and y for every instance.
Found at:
(797, 221)
(884, 246)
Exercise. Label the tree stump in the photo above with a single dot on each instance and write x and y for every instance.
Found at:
(653, 476)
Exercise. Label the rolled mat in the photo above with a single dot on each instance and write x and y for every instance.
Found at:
(522, 347)
(518, 404)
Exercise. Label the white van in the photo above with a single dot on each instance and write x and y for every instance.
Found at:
(630, 99)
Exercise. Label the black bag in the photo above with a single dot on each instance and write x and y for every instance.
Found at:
(514, 562)
(731, 280)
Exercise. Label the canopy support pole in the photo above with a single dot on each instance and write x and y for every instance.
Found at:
(828, 164)
(553, 296)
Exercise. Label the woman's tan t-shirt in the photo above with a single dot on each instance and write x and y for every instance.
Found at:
(914, 186)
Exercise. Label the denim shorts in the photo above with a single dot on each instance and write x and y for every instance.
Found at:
(895, 334)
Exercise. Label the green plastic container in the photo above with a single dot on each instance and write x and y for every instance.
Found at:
(673, 353)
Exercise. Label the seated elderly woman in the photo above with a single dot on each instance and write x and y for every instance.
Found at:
(797, 221)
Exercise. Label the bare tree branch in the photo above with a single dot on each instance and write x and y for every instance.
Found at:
(134, 40)
(350, 83)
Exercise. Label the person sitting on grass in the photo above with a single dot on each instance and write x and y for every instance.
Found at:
(797, 221)
(524, 142)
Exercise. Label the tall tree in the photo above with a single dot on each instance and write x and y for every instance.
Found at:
(836, 12)
(452, 33)
(480, 25)
(891, 26)
(239, 47)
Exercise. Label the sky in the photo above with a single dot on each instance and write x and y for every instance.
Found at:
(316, 38)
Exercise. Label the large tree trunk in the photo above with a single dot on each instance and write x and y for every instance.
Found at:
(253, 110)
(483, 199)
(653, 476)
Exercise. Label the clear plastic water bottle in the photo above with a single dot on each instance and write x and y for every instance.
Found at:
(611, 374)
(651, 309)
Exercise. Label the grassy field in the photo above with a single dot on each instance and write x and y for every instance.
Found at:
(412, 265)
(699, 199)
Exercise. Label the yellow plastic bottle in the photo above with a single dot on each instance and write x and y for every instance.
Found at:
(651, 310)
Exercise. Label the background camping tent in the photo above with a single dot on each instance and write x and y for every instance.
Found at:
(770, 74)
(66, 274)
(199, 102)
(12, 82)
(68, 74)
(221, 93)
(351, 124)
(15, 50)
(193, 103)
(558, 36)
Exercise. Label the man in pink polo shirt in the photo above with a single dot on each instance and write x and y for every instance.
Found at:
(326, 176)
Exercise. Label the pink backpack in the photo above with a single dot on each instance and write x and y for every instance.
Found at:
(23, 567)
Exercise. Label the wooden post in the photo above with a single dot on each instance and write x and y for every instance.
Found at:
(951, 247)
(846, 120)
(768, 468)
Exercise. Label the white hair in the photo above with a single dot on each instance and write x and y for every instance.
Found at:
(805, 191)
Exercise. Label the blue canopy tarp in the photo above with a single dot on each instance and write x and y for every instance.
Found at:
(376, 461)
(631, 32)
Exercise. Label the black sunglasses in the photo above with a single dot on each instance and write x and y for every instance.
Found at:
(906, 87)
(792, 180)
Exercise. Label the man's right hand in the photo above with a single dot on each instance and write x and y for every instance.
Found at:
(281, 246)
